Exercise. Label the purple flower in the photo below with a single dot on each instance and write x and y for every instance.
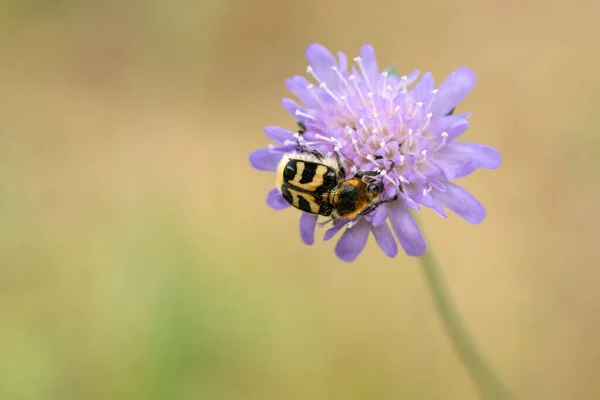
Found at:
(371, 118)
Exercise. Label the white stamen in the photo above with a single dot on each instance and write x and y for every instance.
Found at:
(403, 179)
(323, 85)
(419, 104)
(354, 141)
(424, 152)
(310, 87)
(391, 180)
(410, 137)
(444, 136)
(360, 93)
(427, 190)
(377, 121)
(373, 160)
(384, 86)
(404, 83)
(363, 71)
(352, 223)
(339, 74)
(345, 100)
(353, 169)
(362, 123)
(329, 139)
(434, 91)
(300, 113)
(313, 73)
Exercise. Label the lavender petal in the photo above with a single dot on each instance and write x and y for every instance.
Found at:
(453, 90)
(279, 134)
(369, 62)
(441, 124)
(465, 170)
(298, 85)
(308, 223)
(462, 203)
(291, 106)
(267, 159)
(406, 229)
(353, 241)
(483, 156)
(456, 130)
(422, 90)
(330, 233)
(343, 62)
(276, 201)
(380, 216)
(385, 240)
(321, 60)
(433, 203)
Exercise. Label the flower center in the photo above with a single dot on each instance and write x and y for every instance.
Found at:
(374, 122)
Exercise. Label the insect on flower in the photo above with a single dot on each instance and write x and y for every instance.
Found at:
(316, 184)
(395, 136)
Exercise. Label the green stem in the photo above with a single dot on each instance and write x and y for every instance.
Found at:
(489, 384)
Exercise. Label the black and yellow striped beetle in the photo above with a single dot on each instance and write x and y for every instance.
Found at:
(316, 184)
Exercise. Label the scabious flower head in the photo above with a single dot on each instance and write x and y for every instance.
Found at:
(372, 117)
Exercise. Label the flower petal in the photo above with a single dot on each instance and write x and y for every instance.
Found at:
(422, 90)
(279, 134)
(353, 241)
(291, 106)
(446, 124)
(308, 223)
(465, 170)
(462, 203)
(276, 201)
(329, 233)
(299, 86)
(453, 90)
(267, 159)
(343, 62)
(321, 60)
(406, 229)
(456, 130)
(459, 159)
(369, 63)
(483, 156)
(379, 216)
(433, 203)
(385, 240)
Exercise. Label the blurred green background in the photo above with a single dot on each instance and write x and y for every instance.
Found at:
(138, 259)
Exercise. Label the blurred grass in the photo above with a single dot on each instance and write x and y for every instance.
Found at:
(137, 256)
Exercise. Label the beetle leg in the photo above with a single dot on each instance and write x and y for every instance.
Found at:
(373, 207)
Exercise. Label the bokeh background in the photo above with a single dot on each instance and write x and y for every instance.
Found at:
(138, 258)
